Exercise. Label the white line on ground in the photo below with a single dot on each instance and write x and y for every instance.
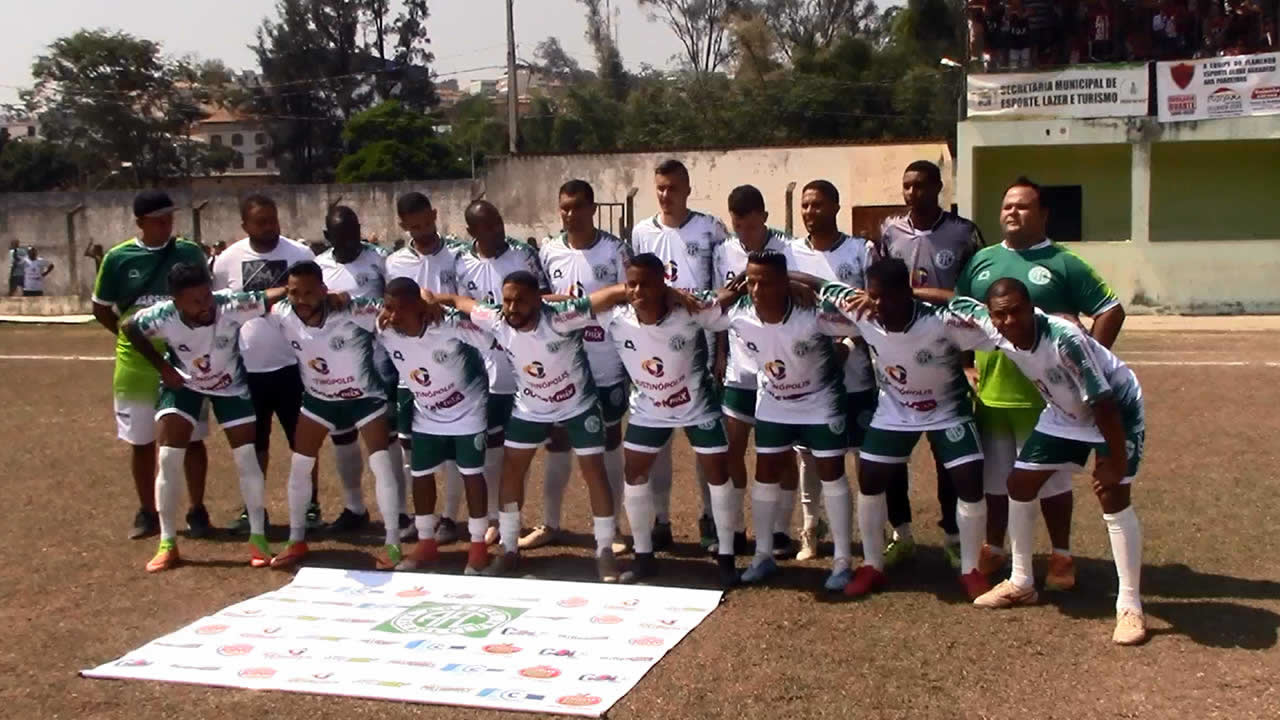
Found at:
(95, 358)
(1215, 363)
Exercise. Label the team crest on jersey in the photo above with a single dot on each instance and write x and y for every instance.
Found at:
(776, 369)
(801, 348)
(336, 343)
(362, 279)
(628, 345)
(692, 250)
(592, 424)
(554, 347)
(601, 272)
(955, 433)
(836, 426)
(897, 373)
(479, 441)
(319, 365)
(222, 342)
(676, 343)
(944, 259)
(1055, 376)
(203, 365)
(924, 356)
(844, 272)
(134, 274)
(983, 275)
(421, 376)
(440, 357)
(1040, 275)
(653, 366)
(534, 369)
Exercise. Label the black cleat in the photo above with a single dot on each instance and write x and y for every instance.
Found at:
(314, 521)
(662, 539)
(740, 544)
(707, 529)
(727, 571)
(408, 531)
(198, 525)
(349, 522)
(145, 524)
(643, 567)
(241, 524)
(783, 546)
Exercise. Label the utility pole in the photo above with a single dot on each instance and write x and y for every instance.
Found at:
(512, 94)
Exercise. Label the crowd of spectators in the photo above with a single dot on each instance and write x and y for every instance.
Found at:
(1023, 34)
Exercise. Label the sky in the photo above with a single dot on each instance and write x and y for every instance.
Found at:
(468, 37)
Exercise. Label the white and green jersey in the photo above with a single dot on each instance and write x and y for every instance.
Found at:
(207, 356)
(554, 381)
(336, 357)
(800, 380)
(667, 362)
(443, 369)
(480, 278)
(730, 261)
(1071, 370)
(437, 272)
(364, 277)
(578, 273)
(846, 262)
(686, 250)
(920, 369)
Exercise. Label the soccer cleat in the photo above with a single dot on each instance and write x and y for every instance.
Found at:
(620, 547)
(259, 551)
(607, 566)
(727, 571)
(293, 554)
(975, 584)
(662, 538)
(741, 546)
(198, 525)
(446, 532)
(391, 556)
(504, 564)
(314, 518)
(952, 552)
(540, 536)
(1006, 595)
(349, 522)
(840, 577)
(477, 559)
(808, 544)
(761, 569)
(491, 535)
(424, 553)
(899, 552)
(145, 524)
(240, 526)
(643, 567)
(166, 557)
(990, 561)
(1062, 573)
(408, 531)
(866, 580)
(1131, 627)
(783, 545)
(707, 529)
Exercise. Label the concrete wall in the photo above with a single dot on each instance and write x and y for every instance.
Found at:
(1215, 190)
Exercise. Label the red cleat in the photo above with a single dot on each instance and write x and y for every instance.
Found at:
(293, 554)
(477, 559)
(866, 580)
(424, 553)
(975, 584)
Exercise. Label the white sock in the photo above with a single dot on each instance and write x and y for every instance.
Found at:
(556, 473)
(252, 487)
(299, 495)
(350, 466)
(509, 527)
(971, 517)
(786, 510)
(764, 505)
(660, 483)
(426, 525)
(1022, 535)
(1126, 547)
(873, 513)
(835, 497)
(169, 483)
(638, 501)
(492, 478)
(740, 507)
(385, 483)
(397, 464)
(902, 532)
(704, 487)
(454, 489)
(476, 528)
(605, 528)
(725, 508)
(810, 493)
(613, 473)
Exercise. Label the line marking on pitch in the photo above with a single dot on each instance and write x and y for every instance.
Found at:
(1195, 363)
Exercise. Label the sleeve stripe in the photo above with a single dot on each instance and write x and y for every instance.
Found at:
(99, 301)
(1113, 301)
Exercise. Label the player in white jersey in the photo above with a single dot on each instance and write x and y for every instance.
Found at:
(482, 265)
(359, 269)
(735, 367)
(577, 262)
(343, 394)
(555, 387)
(440, 367)
(201, 328)
(685, 240)
(834, 256)
(919, 358)
(1093, 404)
(800, 401)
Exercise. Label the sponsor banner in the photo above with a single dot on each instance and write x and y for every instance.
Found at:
(506, 644)
(1221, 87)
(1081, 91)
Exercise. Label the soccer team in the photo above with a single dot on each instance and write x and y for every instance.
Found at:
(462, 359)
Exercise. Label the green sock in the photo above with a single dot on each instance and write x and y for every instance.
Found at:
(260, 542)
(167, 544)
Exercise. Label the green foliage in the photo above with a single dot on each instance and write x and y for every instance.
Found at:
(389, 143)
(33, 166)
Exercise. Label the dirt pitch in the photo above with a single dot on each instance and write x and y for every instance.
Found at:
(75, 595)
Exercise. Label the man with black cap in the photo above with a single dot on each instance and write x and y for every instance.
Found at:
(133, 277)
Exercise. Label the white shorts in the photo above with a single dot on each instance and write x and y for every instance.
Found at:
(1000, 451)
(136, 422)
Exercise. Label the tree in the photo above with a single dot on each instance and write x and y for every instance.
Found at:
(702, 26)
(609, 68)
(33, 166)
(554, 61)
(397, 54)
(810, 26)
(476, 131)
(390, 143)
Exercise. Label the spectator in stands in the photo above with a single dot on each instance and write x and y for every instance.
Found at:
(1270, 42)
(1100, 26)
(997, 37)
(976, 22)
(1043, 24)
(1171, 30)
(1017, 29)
(17, 266)
(1244, 28)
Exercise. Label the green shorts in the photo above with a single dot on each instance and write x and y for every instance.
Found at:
(230, 411)
(431, 451)
(404, 412)
(1050, 452)
(705, 439)
(341, 416)
(954, 446)
(613, 402)
(497, 412)
(739, 404)
(825, 440)
(859, 407)
(586, 432)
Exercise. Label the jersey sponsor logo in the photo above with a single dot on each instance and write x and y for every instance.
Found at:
(595, 333)
(350, 393)
(955, 433)
(653, 366)
(535, 369)
(592, 423)
(897, 373)
(202, 364)
(557, 274)
(577, 290)
(453, 399)
(944, 259)
(924, 356)
(319, 365)
(922, 405)
(336, 343)
(1039, 275)
(985, 274)
(673, 271)
(676, 343)
(777, 369)
(421, 376)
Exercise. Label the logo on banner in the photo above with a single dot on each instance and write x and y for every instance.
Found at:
(1182, 74)
(1224, 101)
(579, 700)
(573, 602)
(540, 672)
(467, 620)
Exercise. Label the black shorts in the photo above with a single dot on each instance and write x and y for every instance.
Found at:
(279, 393)
(15, 283)
(32, 293)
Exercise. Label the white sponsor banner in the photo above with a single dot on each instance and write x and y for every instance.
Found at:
(1082, 91)
(1218, 87)
(512, 644)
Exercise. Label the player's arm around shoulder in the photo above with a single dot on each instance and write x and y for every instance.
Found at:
(150, 323)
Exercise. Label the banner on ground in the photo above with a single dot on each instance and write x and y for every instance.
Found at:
(497, 643)
(1083, 91)
(1221, 87)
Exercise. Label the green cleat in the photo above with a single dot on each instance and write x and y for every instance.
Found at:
(899, 552)
(392, 555)
(952, 553)
(259, 551)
